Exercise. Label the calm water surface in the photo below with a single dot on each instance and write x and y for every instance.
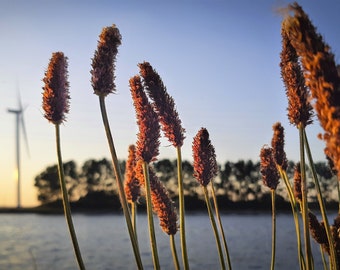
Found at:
(32, 241)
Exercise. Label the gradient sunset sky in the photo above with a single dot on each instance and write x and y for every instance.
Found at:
(218, 59)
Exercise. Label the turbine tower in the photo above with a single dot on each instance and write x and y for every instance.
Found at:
(19, 117)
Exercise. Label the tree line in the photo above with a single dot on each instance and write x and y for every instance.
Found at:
(93, 184)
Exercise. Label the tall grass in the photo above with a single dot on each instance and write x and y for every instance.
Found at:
(309, 73)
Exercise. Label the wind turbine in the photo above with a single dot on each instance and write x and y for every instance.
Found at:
(19, 117)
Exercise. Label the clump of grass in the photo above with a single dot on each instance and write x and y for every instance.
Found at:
(321, 77)
(56, 106)
(308, 71)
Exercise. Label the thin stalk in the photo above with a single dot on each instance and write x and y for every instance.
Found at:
(150, 216)
(119, 177)
(174, 251)
(324, 263)
(272, 265)
(66, 202)
(181, 209)
(333, 257)
(305, 218)
(217, 212)
(213, 224)
(295, 212)
(134, 218)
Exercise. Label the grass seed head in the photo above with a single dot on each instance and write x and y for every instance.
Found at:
(56, 89)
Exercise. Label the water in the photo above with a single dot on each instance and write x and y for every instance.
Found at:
(32, 241)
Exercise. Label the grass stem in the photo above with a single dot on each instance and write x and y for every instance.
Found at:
(214, 227)
(304, 204)
(66, 202)
(174, 251)
(150, 216)
(120, 185)
(272, 265)
(181, 210)
(333, 256)
(295, 211)
(217, 212)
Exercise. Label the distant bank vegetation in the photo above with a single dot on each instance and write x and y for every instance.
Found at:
(238, 184)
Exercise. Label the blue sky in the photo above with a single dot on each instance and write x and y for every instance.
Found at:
(218, 59)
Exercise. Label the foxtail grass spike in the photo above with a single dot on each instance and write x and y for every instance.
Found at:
(56, 105)
(56, 89)
(205, 165)
(132, 185)
(270, 177)
(205, 169)
(171, 124)
(278, 143)
(269, 172)
(297, 182)
(163, 103)
(321, 76)
(300, 111)
(147, 146)
(147, 149)
(162, 204)
(103, 62)
(103, 68)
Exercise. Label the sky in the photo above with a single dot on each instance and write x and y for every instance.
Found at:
(218, 59)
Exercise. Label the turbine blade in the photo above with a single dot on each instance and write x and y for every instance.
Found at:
(24, 132)
(22, 122)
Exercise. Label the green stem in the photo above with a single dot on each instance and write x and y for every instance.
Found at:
(304, 204)
(174, 252)
(213, 224)
(150, 216)
(120, 185)
(324, 263)
(217, 212)
(181, 209)
(272, 266)
(66, 203)
(333, 256)
(295, 212)
(133, 218)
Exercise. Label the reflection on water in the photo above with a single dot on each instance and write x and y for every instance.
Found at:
(30, 241)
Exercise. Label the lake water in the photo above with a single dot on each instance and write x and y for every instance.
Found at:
(32, 241)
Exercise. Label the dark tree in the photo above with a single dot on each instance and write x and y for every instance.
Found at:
(98, 175)
(48, 185)
(165, 170)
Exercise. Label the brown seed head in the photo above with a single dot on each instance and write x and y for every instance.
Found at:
(164, 105)
(321, 76)
(132, 186)
(300, 111)
(147, 120)
(56, 90)
(205, 164)
(162, 205)
(297, 182)
(278, 146)
(270, 175)
(318, 231)
(103, 62)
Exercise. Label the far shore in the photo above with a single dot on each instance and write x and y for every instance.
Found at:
(230, 207)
